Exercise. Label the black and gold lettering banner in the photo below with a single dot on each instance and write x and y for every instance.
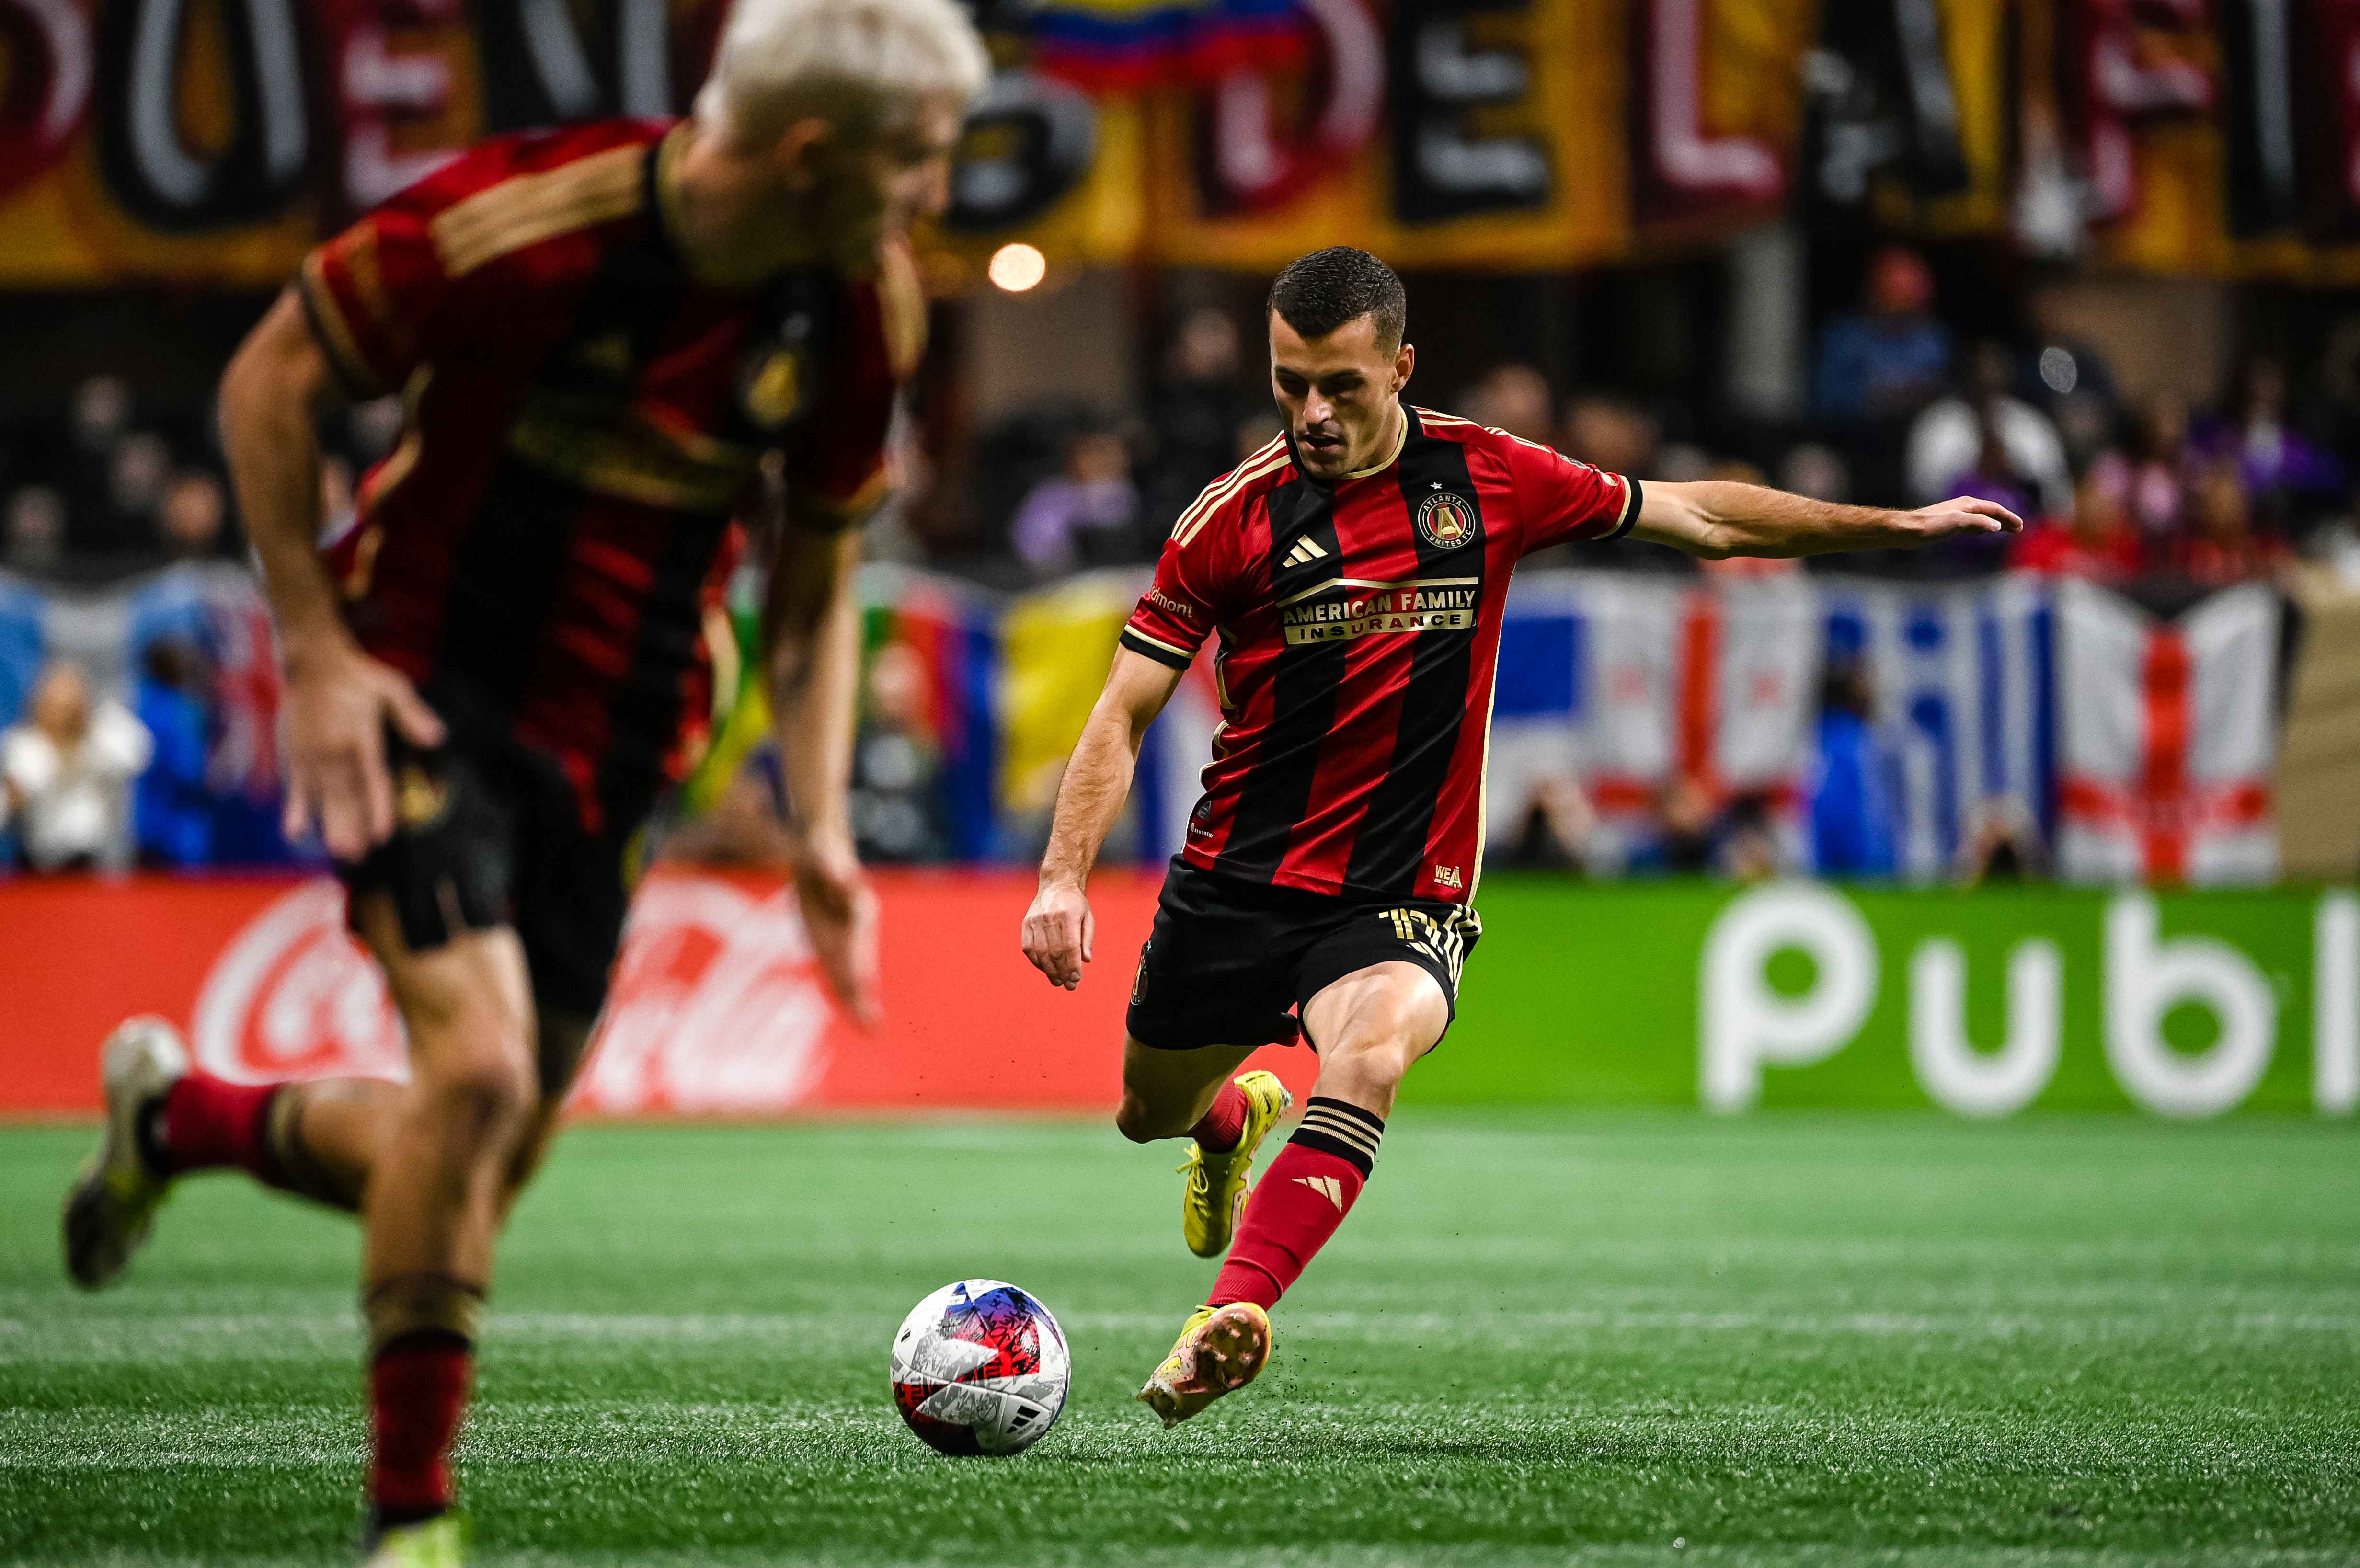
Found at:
(214, 141)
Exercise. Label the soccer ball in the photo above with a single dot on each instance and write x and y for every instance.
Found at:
(980, 1367)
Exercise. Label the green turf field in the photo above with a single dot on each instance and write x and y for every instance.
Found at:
(1801, 1338)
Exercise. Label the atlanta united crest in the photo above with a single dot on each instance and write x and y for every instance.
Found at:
(1445, 521)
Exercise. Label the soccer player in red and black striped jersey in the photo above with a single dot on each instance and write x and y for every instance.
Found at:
(608, 339)
(1355, 571)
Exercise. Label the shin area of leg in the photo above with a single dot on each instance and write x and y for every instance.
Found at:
(1369, 1027)
(438, 1177)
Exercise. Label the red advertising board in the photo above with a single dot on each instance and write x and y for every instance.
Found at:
(716, 1009)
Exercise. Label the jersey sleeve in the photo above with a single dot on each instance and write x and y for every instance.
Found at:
(1184, 603)
(836, 458)
(1561, 499)
(378, 294)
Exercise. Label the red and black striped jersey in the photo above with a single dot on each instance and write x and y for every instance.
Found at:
(1360, 633)
(584, 417)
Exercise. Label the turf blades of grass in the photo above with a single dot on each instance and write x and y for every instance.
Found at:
(1541, 1339)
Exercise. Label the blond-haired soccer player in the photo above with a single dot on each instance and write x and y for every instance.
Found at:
(600, 332)
(1356, 570)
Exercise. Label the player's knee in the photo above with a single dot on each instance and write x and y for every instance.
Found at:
(1137, 1120)
(486, 1096)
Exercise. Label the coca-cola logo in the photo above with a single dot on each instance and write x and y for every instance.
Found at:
(716, 1010)
(294, 997)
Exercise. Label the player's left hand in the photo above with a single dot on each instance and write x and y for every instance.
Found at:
(840, 912)
(1961, 515)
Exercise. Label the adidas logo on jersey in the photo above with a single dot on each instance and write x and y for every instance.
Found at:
(1327, 1187)
(1304, 551)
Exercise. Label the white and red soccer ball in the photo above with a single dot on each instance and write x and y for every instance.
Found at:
(979, 1366)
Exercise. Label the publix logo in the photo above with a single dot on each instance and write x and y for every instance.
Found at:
(2283, 982)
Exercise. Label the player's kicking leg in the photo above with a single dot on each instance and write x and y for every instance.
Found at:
(1191, 1094)
(1369, 1027)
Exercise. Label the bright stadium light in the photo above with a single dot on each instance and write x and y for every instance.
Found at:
(1017, 267)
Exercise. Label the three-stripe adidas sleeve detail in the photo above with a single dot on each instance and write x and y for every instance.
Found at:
(1345, 1131)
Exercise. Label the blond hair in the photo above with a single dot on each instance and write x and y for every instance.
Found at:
(861, 64)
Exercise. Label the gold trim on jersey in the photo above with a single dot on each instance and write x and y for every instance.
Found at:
(1268, 460)
(1375, 585)
(902, 307)
(630, 457)
(334, 333)
(1172, 649)
(527, 208)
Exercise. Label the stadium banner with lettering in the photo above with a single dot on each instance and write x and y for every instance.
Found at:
(1983, 1003)
(152, 140)
(1784, 994)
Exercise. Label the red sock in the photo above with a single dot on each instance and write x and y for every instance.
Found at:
(1299, 1201)
(418, 1389)
(1225, 1122)
(207, 1123)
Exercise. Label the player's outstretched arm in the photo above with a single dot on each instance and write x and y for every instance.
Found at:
(1059, 930)
(338, 699)
(810, 631)
(1717, 518)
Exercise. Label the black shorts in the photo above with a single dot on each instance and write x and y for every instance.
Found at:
(1228, 958)
(487, 832)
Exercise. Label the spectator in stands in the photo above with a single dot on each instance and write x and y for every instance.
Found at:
(96, 422)
(1951, 442)
(2223, 543)
(189, 517)
(37, 529)
(1515, 399)
(65, 773)
(2002, 843)
(2158, 475)
(1854, 823)
(136, 471)
(1609, 433)
(2097, 541)
(1555, 828)
(1196, 412)
(1817, 470)
(1085, 516)
(173, 808)
(1882, 364)
(2285, 473)
(1682, 841)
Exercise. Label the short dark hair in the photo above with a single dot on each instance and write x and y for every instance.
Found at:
(1319, 292)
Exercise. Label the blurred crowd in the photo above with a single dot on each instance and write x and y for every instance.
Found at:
(1903, 412)
(2147, 493)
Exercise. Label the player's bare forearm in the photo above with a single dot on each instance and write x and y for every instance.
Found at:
(1718, 519)
(1059, 930)
(1097, 777)
(338, 699)
(279, 382)
(811, 652)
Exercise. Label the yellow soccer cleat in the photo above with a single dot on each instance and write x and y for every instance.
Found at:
(1216, 1189)
(1221, 1350)
(112, 1205)
(438, 1543)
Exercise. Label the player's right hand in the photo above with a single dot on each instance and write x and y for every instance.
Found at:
(337, 705)
(1059, 931)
